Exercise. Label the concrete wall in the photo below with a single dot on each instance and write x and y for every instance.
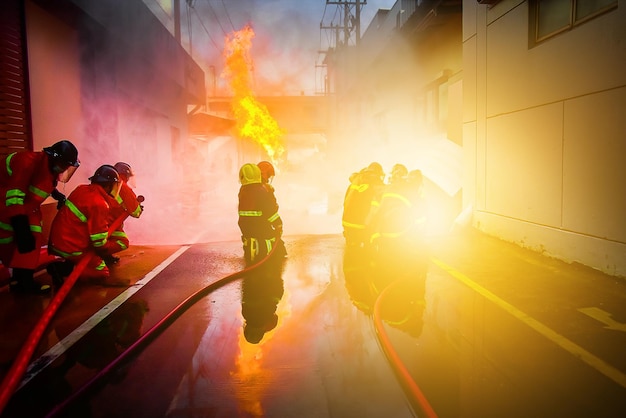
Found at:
(543, 131)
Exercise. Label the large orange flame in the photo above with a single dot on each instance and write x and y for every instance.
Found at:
(253, 120)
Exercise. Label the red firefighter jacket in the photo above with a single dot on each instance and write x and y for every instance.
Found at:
(83, 223)
(128, 202)
(25, 182)
(258, 212)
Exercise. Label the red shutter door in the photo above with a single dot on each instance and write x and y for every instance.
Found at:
(15, 124)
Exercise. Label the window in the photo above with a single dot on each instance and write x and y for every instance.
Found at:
(551, 17)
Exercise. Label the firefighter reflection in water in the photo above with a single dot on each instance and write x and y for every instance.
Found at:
(128, 202)
(260, 293)
(395, 261)
(81, 227)
(260, 224)
(27, 178)
(98, 348)
(361, 197)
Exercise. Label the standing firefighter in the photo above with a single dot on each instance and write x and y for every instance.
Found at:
(362, 196)
(82, 225)
(259, 221)
(128, 202)
(27, 178)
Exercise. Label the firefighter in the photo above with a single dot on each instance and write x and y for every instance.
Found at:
(27, 178)
(128, 202)
(81, 227)
(267, 174)
(397, 226)
(259, 221)
(398, 174)
(361, 197)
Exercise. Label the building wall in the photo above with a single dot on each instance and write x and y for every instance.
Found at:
(54, 73)
(110, 78)
(543, 132)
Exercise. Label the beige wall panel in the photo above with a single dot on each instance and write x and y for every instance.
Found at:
(594, 174)
(469, 19)
(469, 80)
(565, 66)
(54, 72)
(470, 163)
(524, 165)
(54, 78)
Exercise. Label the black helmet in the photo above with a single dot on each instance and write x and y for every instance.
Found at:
(63, 153)
(105, 174)
(124, 170)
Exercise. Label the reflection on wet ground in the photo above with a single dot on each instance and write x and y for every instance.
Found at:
(485, 330)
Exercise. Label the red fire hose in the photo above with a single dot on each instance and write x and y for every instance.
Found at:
(154, 331)
(15, 373)
(419, 401)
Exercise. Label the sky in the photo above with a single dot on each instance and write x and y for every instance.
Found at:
(287, 39)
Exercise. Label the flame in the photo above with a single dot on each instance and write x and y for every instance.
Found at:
(253, 120)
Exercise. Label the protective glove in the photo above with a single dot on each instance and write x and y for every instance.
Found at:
(24, 238)
(59, 197)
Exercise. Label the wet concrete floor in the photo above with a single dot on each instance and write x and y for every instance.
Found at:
(493, 331)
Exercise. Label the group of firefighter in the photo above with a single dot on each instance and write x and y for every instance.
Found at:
(385, 219)
(81, 226)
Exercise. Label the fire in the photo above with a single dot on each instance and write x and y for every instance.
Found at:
(253, 120)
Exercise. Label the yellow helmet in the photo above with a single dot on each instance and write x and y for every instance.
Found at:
(249, 173)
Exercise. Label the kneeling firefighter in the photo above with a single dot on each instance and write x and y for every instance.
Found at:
(260, 224)
(81, 227)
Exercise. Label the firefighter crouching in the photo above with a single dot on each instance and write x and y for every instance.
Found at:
(81, 227)
(259, 221)
(27, 178)
(128, 202)
(396, 227)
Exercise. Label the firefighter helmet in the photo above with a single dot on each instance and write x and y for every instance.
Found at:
(415, 177)
(376, 168)
(267, 171)
(249, 173)
(63, 153)
(398, 172)
(105, 175)
(124, 170)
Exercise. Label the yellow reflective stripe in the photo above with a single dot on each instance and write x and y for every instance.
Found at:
(64, 254)
(359, 187)
(38, 192)
(75, 211)
(398, 196)
(99, 239)
(119, 234)
(6, 240)
(273, 217)
(351, 225)
(250, 213)
(101, 266)
(6, 227)
(136, 212)
(119, 199)
(15, 197)
(35, 228)
(8, 163)
(121, 244)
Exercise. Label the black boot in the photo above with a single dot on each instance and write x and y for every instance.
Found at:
(22, 281)
(59, 270)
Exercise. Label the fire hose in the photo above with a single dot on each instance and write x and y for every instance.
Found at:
(419, 401)
(155, 330)
(16, 372)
